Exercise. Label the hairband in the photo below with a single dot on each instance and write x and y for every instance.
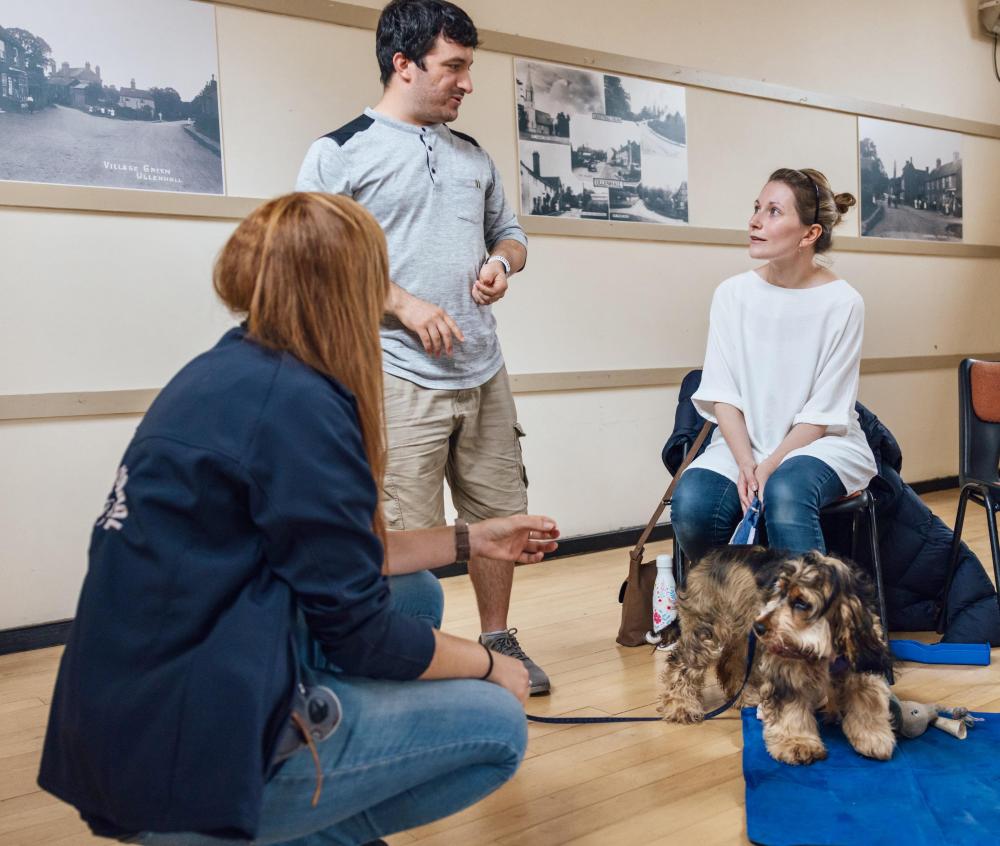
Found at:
(815, 191)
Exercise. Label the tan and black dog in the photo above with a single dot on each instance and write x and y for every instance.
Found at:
(820, 646)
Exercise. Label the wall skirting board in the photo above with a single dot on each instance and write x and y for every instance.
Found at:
(55, 634)
(26, 638)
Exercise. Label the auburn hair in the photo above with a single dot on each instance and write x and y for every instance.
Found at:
(310, 272)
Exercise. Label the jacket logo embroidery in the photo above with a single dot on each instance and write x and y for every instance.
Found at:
(115, 509)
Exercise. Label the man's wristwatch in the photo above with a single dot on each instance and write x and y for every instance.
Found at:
(462, 548)
(502, 260)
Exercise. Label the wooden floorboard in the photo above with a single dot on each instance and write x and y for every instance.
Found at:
(590, 785)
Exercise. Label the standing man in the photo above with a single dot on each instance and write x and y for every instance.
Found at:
(454, 242)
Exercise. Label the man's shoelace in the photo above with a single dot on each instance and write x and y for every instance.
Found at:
(506, 644)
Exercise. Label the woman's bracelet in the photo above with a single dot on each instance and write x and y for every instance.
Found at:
(489, 672)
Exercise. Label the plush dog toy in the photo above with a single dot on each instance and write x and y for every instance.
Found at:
(911, 719)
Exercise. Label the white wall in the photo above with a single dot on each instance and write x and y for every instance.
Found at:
(76, 316)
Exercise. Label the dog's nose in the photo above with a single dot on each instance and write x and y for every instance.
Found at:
(759, 629)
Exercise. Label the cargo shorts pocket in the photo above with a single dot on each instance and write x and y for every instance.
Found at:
(518, 434)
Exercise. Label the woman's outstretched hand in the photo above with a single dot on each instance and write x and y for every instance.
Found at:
(524, 538)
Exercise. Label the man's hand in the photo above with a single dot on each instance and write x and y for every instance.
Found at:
(431, 323)
(523, 538)
(491, 284)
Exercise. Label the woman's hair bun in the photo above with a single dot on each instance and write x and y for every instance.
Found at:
(844, 202)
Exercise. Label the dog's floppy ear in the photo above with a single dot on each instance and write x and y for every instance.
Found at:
(857, 632)
(784, 568)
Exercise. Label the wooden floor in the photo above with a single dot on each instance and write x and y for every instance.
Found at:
(603, 785)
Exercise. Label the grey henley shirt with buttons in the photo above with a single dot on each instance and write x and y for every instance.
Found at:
(438, 197)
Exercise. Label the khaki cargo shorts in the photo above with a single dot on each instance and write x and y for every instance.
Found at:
(469, 437)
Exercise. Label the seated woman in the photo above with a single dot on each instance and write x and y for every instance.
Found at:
(780, 379)
(248, 500)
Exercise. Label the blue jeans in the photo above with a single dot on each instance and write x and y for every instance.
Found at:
(706, 507)
(405, 753)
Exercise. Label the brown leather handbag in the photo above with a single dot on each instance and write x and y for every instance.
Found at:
(636, 594)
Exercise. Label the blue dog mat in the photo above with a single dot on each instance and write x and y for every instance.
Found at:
(941, 653)
(936, 790)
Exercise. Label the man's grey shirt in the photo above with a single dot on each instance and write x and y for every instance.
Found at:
(437, 195)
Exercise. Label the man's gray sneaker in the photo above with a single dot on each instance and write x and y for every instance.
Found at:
(506, 644)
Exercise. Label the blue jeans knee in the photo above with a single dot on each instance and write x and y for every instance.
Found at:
(418, 595)
(793, 497)
(704, 511)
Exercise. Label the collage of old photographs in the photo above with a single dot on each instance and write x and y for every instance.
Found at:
(599, 146)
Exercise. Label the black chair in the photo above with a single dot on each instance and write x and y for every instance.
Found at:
(863, 502)
(978, 459)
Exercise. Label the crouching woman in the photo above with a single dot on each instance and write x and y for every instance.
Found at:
(241, 539)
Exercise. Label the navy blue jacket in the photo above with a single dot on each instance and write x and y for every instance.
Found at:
(913, 542)
(244, 496)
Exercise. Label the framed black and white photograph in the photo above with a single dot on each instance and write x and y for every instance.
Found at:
(548, 96)
(657, 110)
(600, 146)
(606, 160)
(911, 181)
(547, 181)
(111, 94)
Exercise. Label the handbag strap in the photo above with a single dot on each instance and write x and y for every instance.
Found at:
(636, 553)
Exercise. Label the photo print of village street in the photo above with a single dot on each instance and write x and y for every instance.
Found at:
(110, 93)
(911, 181)
(599, 146)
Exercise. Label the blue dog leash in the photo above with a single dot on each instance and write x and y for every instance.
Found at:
(746, 533)
(751, 649)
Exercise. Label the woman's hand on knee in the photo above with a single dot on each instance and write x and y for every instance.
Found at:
(762, 473)
(511, 674)
(458, 658)
(746, 484)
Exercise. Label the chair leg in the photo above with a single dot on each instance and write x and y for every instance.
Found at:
(679, 565)
(956, 544)
(879, 587)
(991, 523)
(854, 535)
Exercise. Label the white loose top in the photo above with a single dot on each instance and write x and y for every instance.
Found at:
(785, 356)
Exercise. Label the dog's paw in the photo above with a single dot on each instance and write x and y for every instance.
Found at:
(679, 711)
(878, 745)
(797, 750)
(749, 698)
(829, 717)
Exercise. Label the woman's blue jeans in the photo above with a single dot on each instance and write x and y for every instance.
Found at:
(706, 507)
(405, 753)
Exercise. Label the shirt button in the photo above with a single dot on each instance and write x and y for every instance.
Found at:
(433, 171)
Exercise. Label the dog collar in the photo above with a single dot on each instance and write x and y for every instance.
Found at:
(839, 665)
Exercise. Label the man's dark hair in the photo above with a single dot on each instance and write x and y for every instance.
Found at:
(411, 27)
